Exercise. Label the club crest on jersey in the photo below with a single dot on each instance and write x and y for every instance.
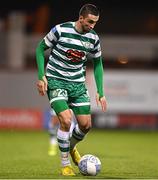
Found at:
(87, 45)
(75, 55)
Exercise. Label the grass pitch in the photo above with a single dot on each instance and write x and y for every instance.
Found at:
(124, 155)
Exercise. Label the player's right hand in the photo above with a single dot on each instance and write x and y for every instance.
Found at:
(42, 86)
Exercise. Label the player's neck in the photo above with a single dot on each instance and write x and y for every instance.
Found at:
(78, 27)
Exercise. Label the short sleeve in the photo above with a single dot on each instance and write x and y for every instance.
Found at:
(52, 37)
(96, 51)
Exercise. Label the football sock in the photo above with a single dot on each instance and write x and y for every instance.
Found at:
(77, 135)
(64, 146)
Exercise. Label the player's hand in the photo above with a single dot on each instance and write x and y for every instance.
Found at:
(101, 101)
(42, 86)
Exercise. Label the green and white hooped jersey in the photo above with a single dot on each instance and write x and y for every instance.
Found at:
(69, 51)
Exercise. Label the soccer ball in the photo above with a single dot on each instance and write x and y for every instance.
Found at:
(89, 165)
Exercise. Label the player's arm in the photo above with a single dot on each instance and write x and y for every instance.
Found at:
(42, 81)
(98, 75)
(41, 47)
(49, 41)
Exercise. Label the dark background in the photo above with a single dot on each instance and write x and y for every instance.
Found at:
(117, 16)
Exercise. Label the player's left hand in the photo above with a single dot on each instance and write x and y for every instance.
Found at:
(101, 101)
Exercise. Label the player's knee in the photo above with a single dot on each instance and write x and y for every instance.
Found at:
(86, 127)
(65, 120)
(65, 124)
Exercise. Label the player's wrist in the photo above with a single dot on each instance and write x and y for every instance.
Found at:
(101, 94)
(40, 77)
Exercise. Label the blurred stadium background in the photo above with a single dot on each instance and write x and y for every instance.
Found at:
(128, 32)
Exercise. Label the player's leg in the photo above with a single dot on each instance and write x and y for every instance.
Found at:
(81, 129)
(81, 108)
(58, 100)
(63, 135)
(53, 125)
(52, 129)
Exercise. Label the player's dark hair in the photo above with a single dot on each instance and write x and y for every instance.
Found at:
(89, 9)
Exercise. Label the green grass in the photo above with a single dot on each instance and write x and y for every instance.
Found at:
(124, 155)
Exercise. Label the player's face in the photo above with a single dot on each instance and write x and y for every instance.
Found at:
(88, 22)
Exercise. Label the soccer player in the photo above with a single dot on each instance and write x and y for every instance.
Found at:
(71, 43)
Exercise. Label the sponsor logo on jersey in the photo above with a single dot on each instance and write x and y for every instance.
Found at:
(74, 55)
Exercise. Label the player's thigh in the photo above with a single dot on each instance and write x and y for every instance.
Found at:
(81, 108)
(58, 99)
(80, 105)
(64, 114)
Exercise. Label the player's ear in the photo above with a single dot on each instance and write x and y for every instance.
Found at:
(81, 18)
